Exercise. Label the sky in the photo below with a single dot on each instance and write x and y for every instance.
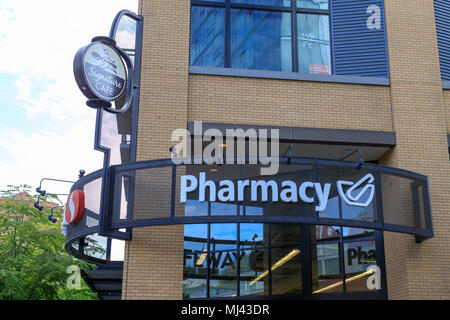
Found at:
(46, 129)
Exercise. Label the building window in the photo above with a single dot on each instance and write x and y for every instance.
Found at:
(314, 43)
(276, 35)
(207, 36)
(261, 40)
(340, 258)
(226, 260)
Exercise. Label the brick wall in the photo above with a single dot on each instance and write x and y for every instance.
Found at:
(418, 271)
(289, 103)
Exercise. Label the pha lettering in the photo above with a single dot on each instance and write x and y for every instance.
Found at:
(362, 255)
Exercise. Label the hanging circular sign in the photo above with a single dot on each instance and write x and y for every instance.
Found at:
(74, 209)
(100, 71)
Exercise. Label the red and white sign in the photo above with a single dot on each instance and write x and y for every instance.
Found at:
(319, 69)
(74, 208)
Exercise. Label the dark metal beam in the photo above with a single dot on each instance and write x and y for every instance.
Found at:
(313, 135)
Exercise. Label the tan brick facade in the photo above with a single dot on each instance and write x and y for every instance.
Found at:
(414, 106)
(289, 103)
(447, 103)
(420, 118)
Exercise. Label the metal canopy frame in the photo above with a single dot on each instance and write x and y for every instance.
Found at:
(378, 225)
(110, 194)
(304, 244)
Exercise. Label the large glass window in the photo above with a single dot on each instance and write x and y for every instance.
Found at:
(207, 36)
(195, 261)
(277, 35)
(226, 260)
(327, 276)
(343, 260)
(254, 280)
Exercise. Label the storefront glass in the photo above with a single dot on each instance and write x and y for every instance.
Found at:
(253, 259)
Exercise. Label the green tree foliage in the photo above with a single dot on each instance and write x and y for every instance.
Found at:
(33, 262)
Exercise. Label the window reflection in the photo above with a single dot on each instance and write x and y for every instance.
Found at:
(194, 275)
(332, 209)
(111, 138)
(223, 271)
(207, 36)
(96, 246)
(195, 208)
(126, 33)
(358, 257)
(253, 235)
(286, 271)
(223, 236)
(338, 263)
(326, 233)
(285, 234)
(325, 267)
(195, 237)
(261, 40)
(92, 191)
(223, 209)
(313, 4)
(124, 184)
(314, 43)
(195, 262)
(253, 272)
(360, 213)
(254, 211)
(75, 246)
(354, 233)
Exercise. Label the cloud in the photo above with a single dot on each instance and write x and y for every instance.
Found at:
(27, 158)
(38, 41)
(41, 36)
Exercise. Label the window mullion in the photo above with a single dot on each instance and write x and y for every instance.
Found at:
(342, 258)
(227, 62)
(238, 262)
(208, 261)
(294, 36)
